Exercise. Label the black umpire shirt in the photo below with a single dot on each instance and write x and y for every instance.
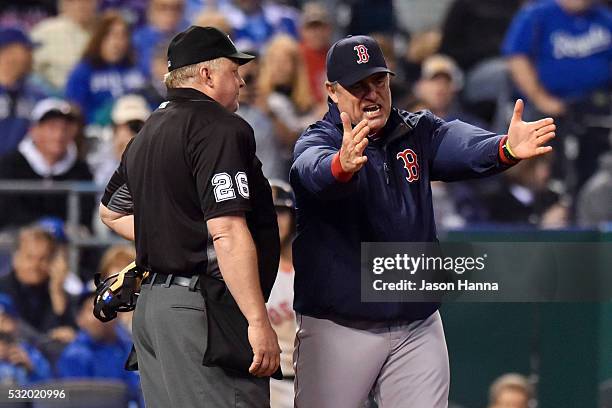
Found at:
(192, 161)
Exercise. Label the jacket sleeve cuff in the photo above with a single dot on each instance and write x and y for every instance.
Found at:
(503, 156)
(337, 171)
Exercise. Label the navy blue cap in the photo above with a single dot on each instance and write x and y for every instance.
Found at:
(14, 36)
(354, 58)
(199, 44)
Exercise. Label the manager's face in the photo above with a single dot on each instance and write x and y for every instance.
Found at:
(368, 99)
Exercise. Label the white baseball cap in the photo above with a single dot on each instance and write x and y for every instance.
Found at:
(52, 107)
(441, 64)
(315, 12)
(128, 108)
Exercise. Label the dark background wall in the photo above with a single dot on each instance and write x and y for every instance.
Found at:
(567, 347)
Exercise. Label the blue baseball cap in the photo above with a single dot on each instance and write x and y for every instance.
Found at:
(11, 35)
(354, 58)
(55, 227)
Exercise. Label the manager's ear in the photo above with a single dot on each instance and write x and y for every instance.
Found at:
(332, 87)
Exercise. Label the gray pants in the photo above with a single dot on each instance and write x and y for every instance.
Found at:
(169, 329)
(337, 366)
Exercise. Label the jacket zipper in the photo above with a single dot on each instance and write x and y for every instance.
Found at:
(386, 167)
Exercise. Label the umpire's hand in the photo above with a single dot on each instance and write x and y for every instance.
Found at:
(354, 142)
(266, 351)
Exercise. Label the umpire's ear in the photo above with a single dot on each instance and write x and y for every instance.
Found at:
(331, 90)
(205, 72)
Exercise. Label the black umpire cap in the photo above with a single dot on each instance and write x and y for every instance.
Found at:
(199, 44)
(354, 58)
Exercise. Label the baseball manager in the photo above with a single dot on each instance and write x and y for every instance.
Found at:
(363, 173)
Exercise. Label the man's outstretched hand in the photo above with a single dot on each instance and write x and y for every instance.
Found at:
(528, 139)
(354, 142)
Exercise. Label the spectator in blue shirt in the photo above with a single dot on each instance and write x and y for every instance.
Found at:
(195, 7)
(560, 55)
(20, 362)
(164, 20)
(254, 22)
(99, 350)
(133, 11)
(106, 71)
(17, 94)
(560, 51)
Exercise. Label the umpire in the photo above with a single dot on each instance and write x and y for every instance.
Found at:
(191, 193)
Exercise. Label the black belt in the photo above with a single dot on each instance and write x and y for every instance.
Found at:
(166, 280)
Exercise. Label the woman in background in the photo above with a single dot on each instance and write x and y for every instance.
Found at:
(284, 91)
(106, 71)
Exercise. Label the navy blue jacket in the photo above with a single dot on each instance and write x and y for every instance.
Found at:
(382, 202)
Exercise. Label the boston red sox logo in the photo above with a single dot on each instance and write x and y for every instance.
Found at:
(362, 54)
(411, 164)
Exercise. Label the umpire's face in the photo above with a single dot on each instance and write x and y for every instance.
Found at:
(368, 99)
(224, 84)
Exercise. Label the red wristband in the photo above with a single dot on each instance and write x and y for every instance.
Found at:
(503, 157)
(337, 171)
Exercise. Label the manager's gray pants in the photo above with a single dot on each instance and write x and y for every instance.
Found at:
(404, 366)
(169, 329)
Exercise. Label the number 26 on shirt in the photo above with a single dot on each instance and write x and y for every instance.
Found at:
(224, 186)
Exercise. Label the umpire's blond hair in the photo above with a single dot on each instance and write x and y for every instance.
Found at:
(186, 75)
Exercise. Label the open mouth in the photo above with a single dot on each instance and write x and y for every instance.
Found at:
(372, 109)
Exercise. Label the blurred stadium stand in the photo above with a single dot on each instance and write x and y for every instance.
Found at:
(565, 349)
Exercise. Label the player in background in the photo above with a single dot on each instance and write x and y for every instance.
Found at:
(280, 304)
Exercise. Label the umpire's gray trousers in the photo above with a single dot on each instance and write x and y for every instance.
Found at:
(402, 366)
(169, 329)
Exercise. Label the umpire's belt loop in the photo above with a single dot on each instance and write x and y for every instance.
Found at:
(193, 282)
(168, 281)
(152, 280)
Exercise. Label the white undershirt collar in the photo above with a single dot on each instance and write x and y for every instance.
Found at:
(38, 163)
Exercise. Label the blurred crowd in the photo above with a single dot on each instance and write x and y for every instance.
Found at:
(78, 78)
(47, 327)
